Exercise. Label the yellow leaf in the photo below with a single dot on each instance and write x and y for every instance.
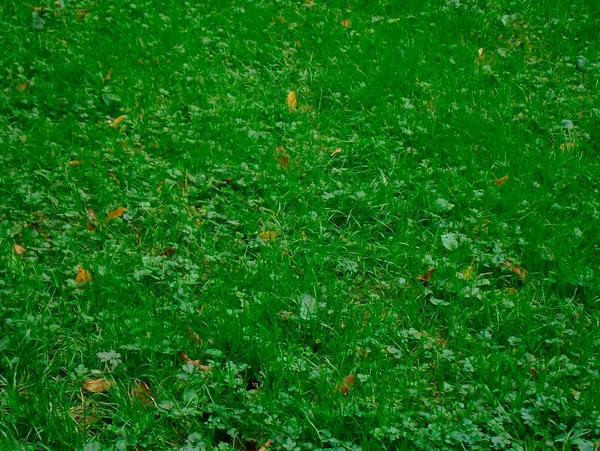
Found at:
(19, 250)
(501, 181)
(467, 274)
(268, 235)
(117, 212)
(115, 122)
(75, 162)
(336, 151)
(291, 100)
(83, 275)
(100, 385)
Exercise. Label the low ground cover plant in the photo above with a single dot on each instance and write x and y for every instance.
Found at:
(252, 225)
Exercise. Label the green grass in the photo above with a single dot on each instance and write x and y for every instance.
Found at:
(289, 278)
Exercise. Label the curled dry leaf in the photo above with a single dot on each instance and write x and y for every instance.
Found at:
(22, 86)
(18, 249)
(83, 275)
(185, 359)
(110, 72)
(501, 181)
(142, 392)
(291, 100)
(424, 278)
(521, 272)
(100, 385)
(117, 212)
(347, 384)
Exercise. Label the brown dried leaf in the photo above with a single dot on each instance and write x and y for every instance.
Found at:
(347, 384)
(100, 385)
(83, 275)
(168, 252)
(110, 72)
(142, 392)
(424, 278)
(18, 249)
(185, 359)
(268, 235)
(117, 212)
(81, 13)
(22, 86)
(521, 272)
(346, 23)
(501, 181)
(291, 100)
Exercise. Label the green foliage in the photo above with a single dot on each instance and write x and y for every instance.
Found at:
(286, 277)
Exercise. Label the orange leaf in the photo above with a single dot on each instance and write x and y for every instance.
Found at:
(22, 86)
(282, 157)
(17, 249)
(75, 162)
(267, 444)
(521, 272)
(83, 275)
(336, 151)
(346, 23)
(347, 384)
(110, 72)
(291, 100)
(185, 359)
(117, 212)
(100, 385)
(501, 181)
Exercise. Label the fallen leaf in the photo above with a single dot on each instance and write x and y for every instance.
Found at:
(22, 86)
(194, 335)
(168, 252)
(283, 160)
(111, 175)
(346, 23)
(18, 249)
(117, 212)
(501, 181)
(83, 275)
(291, 100)
(100, 385)
(116, 121)
(142, 392)
(336, 151)
(268, 235)
(466, 274)
(185, 359)
(75, 162)
(521, 272)
(424, 278)
(267, 444)
(110, 72)
(81, 13)
(285, 315)
(347, 384)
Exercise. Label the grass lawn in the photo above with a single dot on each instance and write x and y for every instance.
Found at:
(277, 224)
